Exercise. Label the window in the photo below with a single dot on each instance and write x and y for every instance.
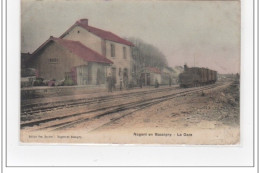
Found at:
(124, 52)
(125, 73)
(112, 50)
(89, 73)
(68, 75)
(53, 60)
(119, 72)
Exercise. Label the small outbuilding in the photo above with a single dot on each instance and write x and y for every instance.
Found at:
(151, 75)
(168, 76)
(62, 59)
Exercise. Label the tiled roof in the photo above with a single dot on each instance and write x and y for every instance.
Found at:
(78, 49)
(106, 35)
(153, 70)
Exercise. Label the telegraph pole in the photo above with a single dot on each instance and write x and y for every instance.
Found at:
(194, 60)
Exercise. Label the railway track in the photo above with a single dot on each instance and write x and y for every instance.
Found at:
(30, 109)
(109, 114)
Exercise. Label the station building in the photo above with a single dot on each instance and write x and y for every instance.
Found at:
(86, 54)
(108, 44)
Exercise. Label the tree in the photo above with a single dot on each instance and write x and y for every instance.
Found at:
(147, 55)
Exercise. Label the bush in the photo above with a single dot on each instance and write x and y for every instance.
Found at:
(38, 82)
(68, 82)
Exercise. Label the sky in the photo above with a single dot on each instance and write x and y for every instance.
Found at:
(196, 33)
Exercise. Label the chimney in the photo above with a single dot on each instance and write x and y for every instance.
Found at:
(84, 21)
(185, 67)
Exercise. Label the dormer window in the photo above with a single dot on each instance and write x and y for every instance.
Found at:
(112, 47)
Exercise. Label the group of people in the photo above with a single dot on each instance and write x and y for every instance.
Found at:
(111, 83)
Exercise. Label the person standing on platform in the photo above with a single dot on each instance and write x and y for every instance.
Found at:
(109, 83)
(113, 83)
(141, 82)
(121, 84)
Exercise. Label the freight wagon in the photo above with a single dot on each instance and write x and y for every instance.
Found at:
(195, 76)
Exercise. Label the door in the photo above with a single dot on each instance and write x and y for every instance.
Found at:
(125, 77)
(114, 74)
(148, 78)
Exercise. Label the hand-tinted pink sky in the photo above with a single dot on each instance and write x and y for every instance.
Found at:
(204, 33)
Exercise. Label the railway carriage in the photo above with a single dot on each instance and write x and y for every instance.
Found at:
(195, 76)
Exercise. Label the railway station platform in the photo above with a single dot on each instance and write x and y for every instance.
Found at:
(37, 95)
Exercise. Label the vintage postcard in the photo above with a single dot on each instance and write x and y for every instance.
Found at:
(130, 72)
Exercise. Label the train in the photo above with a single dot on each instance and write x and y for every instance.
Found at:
(196, 76)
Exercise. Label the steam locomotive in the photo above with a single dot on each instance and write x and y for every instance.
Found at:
(195, 76)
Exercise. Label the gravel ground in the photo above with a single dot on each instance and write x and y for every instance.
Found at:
(209, 118)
